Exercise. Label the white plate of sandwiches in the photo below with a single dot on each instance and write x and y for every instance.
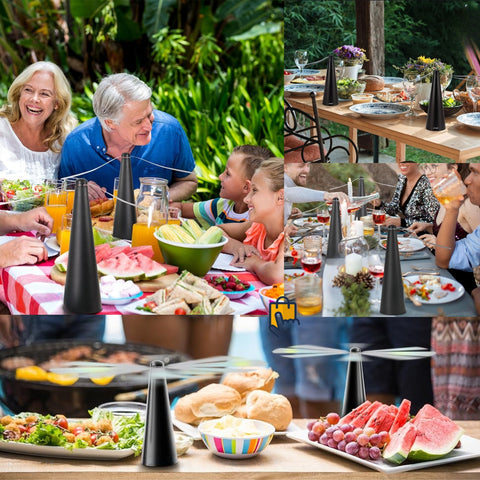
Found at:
(245, 394)
(188, 294)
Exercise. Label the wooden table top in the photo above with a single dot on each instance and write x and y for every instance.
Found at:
(457, 141)
(283, 458)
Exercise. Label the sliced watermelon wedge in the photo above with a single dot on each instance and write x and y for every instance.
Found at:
(120, 266)
(400, 444)
(362, 419)
(146, 250)
(102, 251)
(402, 417)
(349, 417)
(151, 268)
(382, 419)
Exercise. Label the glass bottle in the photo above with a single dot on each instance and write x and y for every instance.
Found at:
(152, 211)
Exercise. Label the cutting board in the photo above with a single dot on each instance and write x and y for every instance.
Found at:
(147, 286)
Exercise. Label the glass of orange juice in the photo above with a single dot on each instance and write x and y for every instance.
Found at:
(449, 187)
(115, 189)
(56, 204)
(69, 186)
(63, 233)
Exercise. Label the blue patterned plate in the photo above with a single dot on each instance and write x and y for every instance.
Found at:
(380, 110)
(303, 89)
(305, 71)
(470, 119)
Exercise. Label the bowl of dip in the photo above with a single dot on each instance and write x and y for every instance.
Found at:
(233, 437)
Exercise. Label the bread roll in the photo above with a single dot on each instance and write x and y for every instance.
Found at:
(214, 400)
(269, 407)
(246, 382)
(373, 83)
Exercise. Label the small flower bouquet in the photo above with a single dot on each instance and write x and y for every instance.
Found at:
(351, 55)
(425, 67)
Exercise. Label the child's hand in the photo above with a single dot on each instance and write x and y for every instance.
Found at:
(243, 252)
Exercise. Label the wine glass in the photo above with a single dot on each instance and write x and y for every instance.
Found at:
(445, 80)
(473, 88)
(410, 82)
(301, 59)
(378, 217)
(376, 267)
(323, 216)
(312, 254)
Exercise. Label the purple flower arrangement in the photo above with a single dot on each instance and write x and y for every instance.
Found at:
(350, 54)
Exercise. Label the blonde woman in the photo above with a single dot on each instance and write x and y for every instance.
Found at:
(34, 123)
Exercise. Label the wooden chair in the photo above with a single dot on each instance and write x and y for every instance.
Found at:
(303, 139)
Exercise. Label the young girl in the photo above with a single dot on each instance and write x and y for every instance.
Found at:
(261, 250)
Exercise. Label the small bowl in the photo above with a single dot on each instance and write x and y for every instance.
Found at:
(197, 259)
(235, 295)
(288, 77)
(125, 409)
(449, 111)
(362, 98)
(267, 301)
(237, 447)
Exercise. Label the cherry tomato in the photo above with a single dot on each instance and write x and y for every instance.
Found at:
(37, 188)
(61, 422)
(180, 311)
(78, 429)
(93, 438)
(114, 436)
(10, 193)
(23, 428)
(413, 291)
(448, 286)
(150, 305)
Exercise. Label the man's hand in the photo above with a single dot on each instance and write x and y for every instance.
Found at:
(37, 220)
(392, 221)
(22, 250)
(95, 191)
(418, 227)
(342, 197)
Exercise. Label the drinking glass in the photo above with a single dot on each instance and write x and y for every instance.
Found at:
(473, 88)
(323, 216)
(63, 233)
(410, 82)
(308, 294)
(56, 204)
(312, 254)
(115, 189)
(449, 187)
(301, 59)
(378, 217)
(376, 267)
(445, 81)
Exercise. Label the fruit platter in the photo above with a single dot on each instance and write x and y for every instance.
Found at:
(389, 439)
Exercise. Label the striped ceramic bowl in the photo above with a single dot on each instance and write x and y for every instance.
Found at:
(237, 447)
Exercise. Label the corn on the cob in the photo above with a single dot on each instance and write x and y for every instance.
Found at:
(212, 235)
(175, 233)
(192, 227)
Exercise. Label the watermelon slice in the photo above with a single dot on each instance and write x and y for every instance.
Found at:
(146, 250)
(151, 268)
(383, 418)
(402, 416)
(102, 252)
(400, 444)
(120, 266)
(437, 435)
(120, 249)
(362, 419)
(354, 413)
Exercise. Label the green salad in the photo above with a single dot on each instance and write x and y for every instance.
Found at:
(23, 195)
(102, 431)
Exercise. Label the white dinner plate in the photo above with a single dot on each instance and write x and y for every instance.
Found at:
(380, 110)
(120, 301)
(307, 222)
(132, 307)
(53, 248)
(195, 434)
(471, 120)
(303, 89)
(470, 449)
(60, 452)
(437, 289)
(406, 245)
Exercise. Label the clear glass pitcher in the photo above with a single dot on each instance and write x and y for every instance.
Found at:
(152, 201)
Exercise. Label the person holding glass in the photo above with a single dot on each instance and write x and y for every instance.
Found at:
(413, 199)
(34, 123)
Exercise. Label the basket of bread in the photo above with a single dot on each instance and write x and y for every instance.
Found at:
(468, 103)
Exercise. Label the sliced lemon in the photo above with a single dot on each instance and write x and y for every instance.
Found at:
(32, 373)
(102, 380)
(61, 379)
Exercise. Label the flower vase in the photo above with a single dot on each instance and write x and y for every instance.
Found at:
(422, 93)
(351, 71)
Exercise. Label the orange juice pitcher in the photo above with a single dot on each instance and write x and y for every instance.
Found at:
(152, 211)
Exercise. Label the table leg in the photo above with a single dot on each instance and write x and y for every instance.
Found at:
(376, 147)
(353, 134)
(400, 152)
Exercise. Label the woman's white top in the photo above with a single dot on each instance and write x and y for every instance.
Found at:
(19, 163)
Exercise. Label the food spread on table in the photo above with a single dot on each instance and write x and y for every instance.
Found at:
(309, 79)
(22, 194)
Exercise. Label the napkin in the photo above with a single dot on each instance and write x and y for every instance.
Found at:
(223, 263)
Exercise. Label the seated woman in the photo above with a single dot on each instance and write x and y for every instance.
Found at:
(413, 198)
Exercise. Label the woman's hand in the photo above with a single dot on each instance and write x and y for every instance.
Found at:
(418, 227)
(429, 240)
(22, 250)
(37, 220)
(392, 221)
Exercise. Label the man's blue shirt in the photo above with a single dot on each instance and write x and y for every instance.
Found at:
(84, 149)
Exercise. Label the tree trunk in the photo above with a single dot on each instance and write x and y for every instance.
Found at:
(370, 34)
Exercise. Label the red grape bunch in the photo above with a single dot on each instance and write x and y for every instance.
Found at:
(361, 442)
